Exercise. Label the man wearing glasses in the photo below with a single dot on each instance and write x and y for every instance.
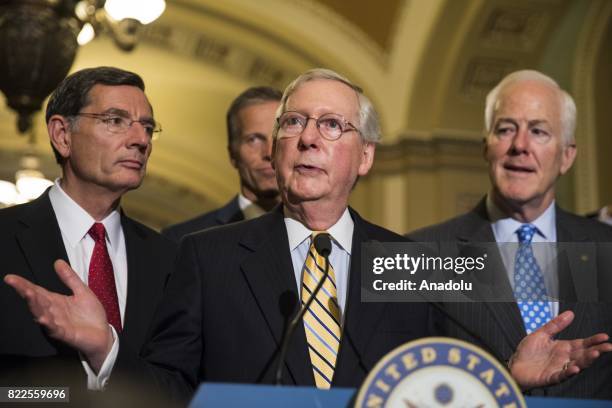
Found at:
(227, 305)
(101, 126)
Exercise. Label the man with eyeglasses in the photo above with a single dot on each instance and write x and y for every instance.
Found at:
(550, 262)
(249, 118)
(227, 305)
(100, 124)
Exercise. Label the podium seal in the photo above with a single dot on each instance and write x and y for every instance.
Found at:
(439, 372)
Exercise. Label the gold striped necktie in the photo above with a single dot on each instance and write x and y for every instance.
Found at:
(322, 320)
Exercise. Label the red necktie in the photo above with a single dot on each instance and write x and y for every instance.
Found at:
(102, 278)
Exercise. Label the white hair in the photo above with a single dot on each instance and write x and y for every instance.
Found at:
(568, 106)
(369, 125)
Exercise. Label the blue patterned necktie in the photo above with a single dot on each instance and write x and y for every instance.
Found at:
(529, 287)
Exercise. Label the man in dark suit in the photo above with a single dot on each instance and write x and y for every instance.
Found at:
(236, 287)
(529, 145)
(250, 119)
(100, 124)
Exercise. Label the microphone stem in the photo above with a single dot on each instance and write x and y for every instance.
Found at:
(291, 327)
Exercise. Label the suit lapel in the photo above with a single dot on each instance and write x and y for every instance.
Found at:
(42, 244)
(230, 213)
(577, 271)
(581, 258)
(506, 314)
(138, 300)
(360, 318)
(269, 273)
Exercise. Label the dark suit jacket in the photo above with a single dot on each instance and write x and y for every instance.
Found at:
(227, 214)
(583, 280)
(31, 241)
(227, 305)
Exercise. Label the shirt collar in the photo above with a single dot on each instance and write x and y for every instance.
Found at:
(75, 222)
(249, 208)
(341, 232)
(505, 227)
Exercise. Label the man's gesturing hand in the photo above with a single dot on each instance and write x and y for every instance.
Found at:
(78, 320)
(541, 360)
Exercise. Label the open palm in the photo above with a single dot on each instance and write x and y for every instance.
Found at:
(542, 360)
(78, 320)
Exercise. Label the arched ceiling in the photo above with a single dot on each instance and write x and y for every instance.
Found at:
(424, 63)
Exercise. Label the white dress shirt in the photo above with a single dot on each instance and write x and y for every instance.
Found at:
(340, 257)
(74, 223)
(544, 245)
(605, 215)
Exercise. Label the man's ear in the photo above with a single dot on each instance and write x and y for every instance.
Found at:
(367, 158)
(60, 134)
(567, 158)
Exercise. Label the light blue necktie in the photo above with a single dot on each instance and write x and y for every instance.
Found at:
(529, 287)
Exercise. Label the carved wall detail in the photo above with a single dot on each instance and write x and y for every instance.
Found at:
(482, 74)
(231, 57)
(514, 28)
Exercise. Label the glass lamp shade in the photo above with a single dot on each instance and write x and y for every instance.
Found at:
(31, 183)
(145, 11)
(8, 194)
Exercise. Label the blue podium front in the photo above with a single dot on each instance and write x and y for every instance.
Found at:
(211, 395)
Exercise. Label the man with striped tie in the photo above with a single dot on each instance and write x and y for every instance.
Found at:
(242, 283)
(551, 262)
(235, 289)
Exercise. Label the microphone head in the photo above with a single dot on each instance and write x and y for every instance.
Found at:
(322, 243)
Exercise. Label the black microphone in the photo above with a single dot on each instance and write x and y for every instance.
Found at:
(322, 244)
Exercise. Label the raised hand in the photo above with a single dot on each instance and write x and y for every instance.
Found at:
(541, 360)
(78, 320)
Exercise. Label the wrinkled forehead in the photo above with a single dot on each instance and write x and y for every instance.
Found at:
(124, 97)
(319, 96)
(529, 100)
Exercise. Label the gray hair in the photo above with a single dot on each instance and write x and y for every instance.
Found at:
(568, 106)
(369, 125)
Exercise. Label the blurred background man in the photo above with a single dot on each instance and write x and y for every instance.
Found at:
(250, 119)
